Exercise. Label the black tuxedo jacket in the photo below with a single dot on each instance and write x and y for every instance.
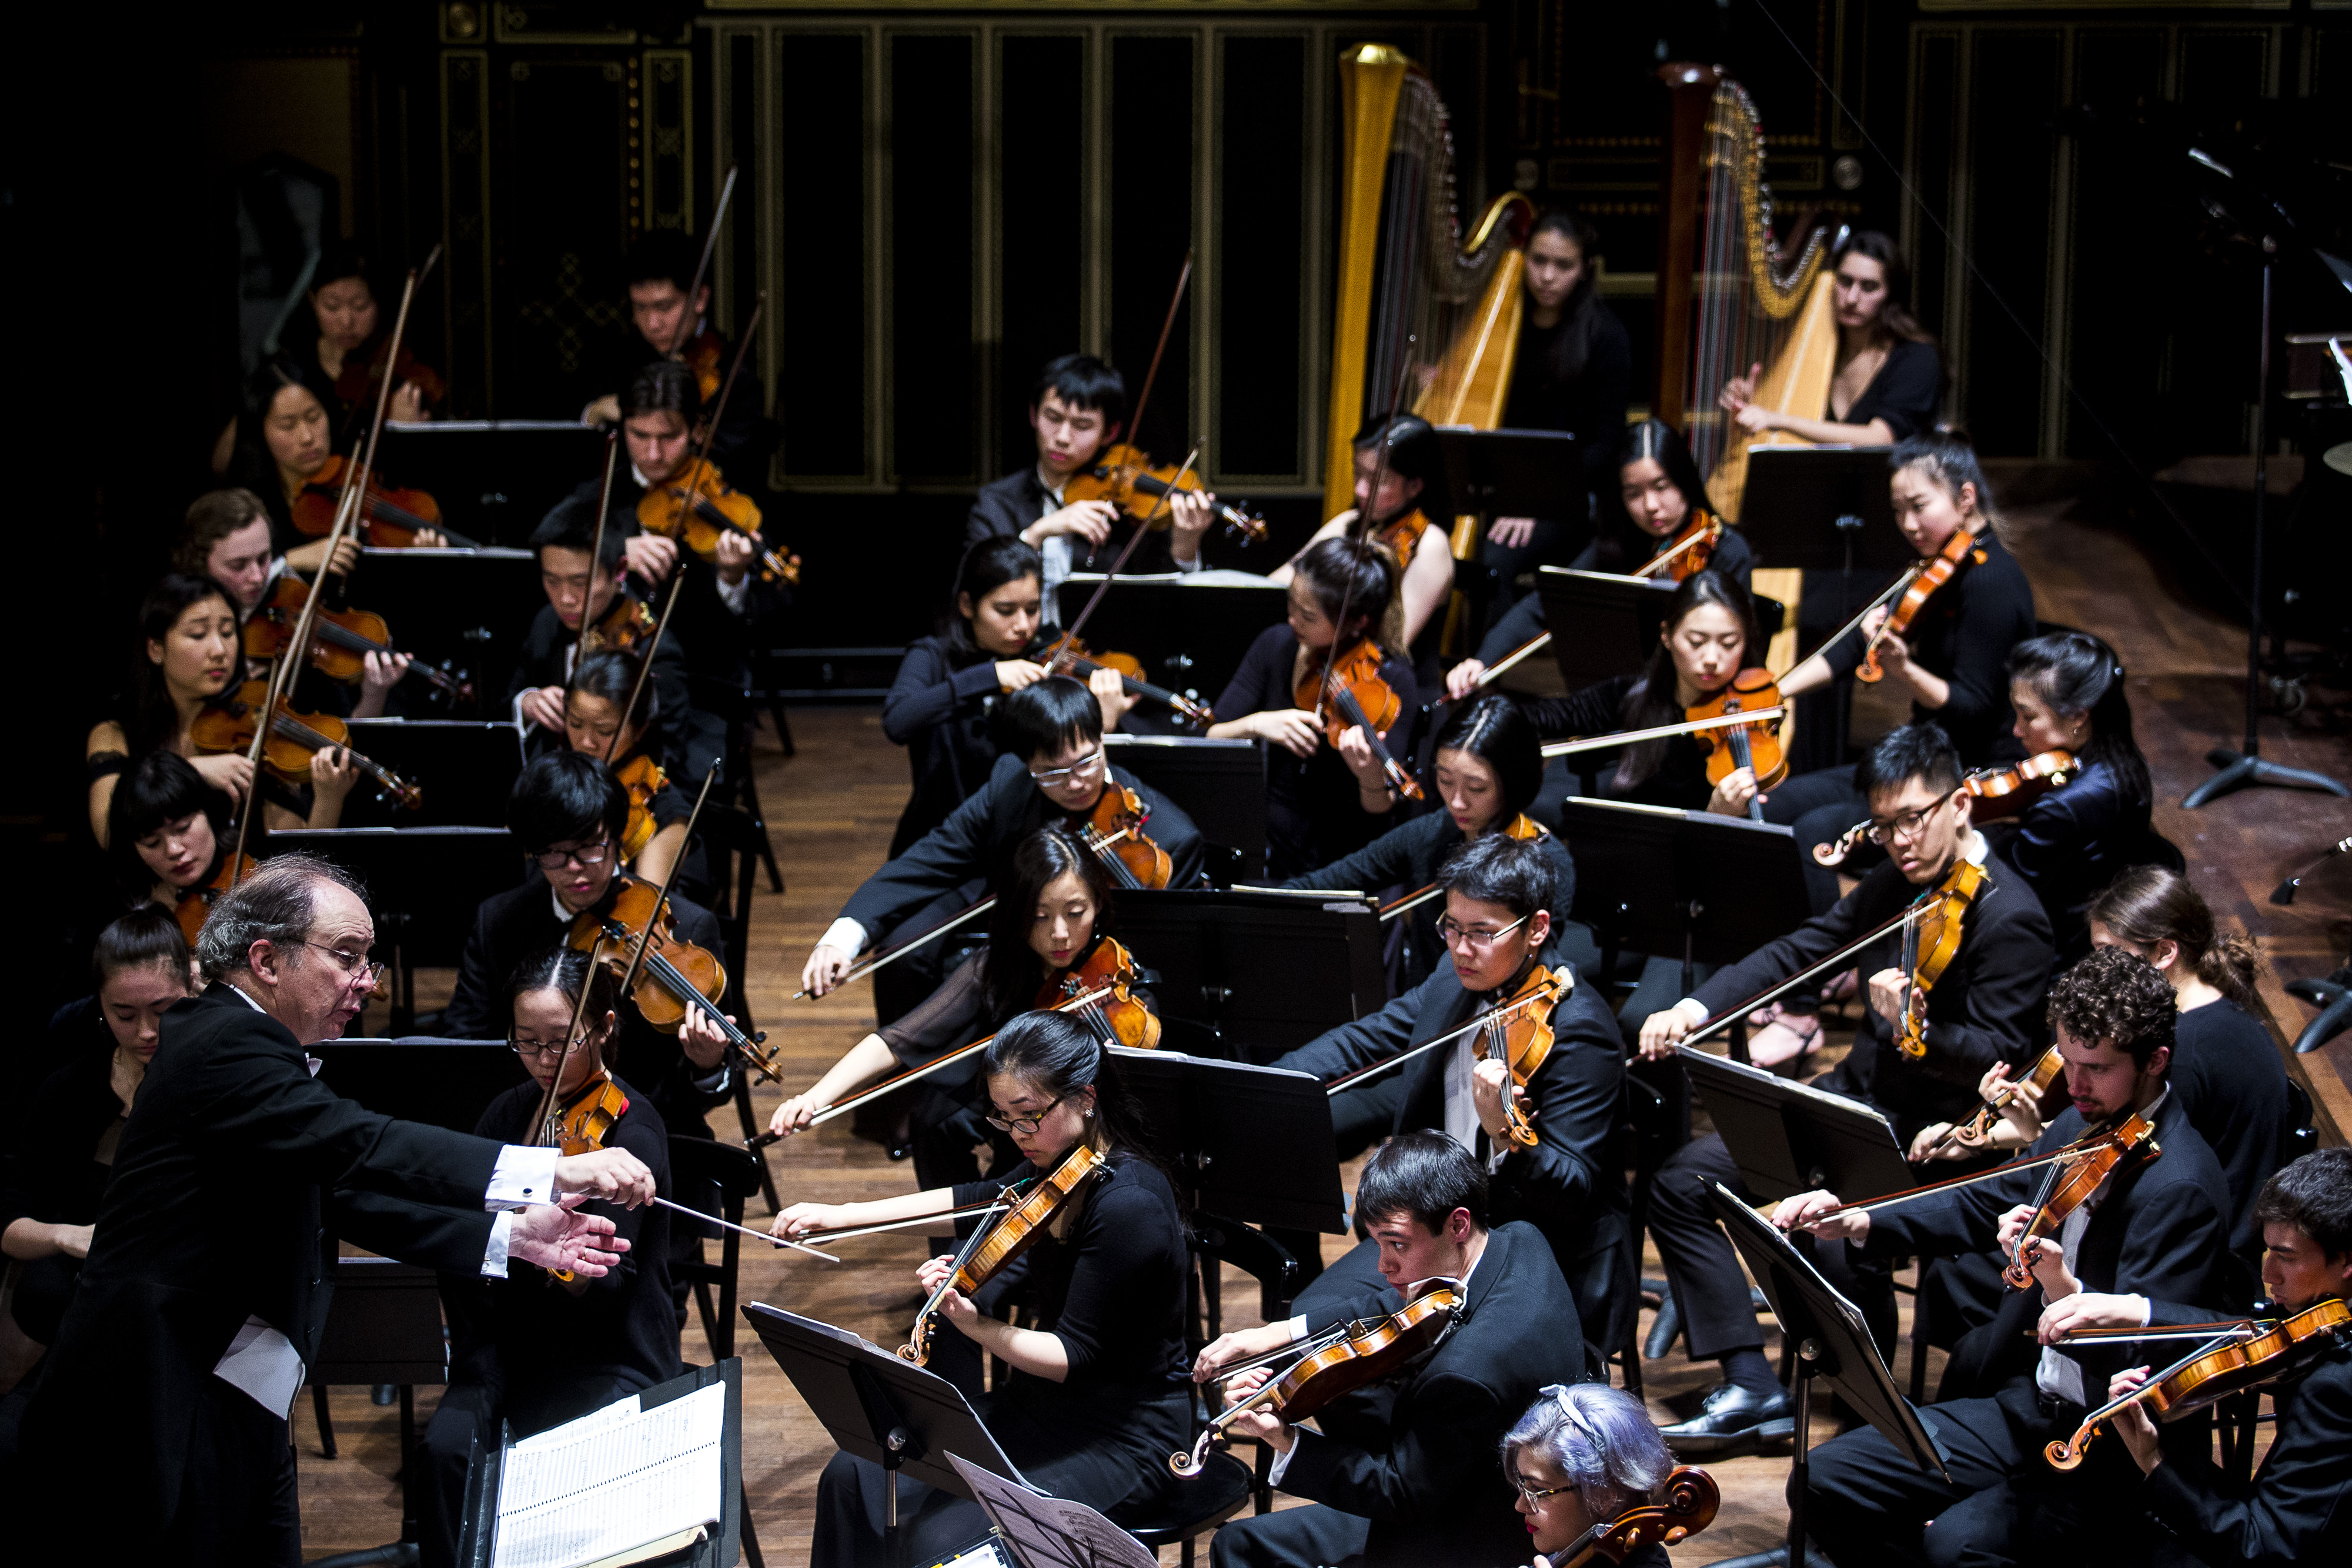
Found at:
(1005, 507)
(543, 661)
(2299, 1508)
(220, 1209)
(1436, 1491)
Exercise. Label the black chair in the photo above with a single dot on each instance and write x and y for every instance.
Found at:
(1202, 1503)
(695, 1162)
(726, 831)
(385, 1326)
(731, 703)
(1213, 1242)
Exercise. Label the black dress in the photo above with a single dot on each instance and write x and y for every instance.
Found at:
(1113, 1292)
(939, 709)
(1591, 403)
(55, 1171)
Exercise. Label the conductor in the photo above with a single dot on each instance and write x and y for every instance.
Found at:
(159, 1423)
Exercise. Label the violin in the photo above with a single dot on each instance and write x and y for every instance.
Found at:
(1691, 1499)
(581, 1127)
(2267, 1353)
(1519, 1035)
(1359, 700)
(1346, 1357)
(1068, 656)
(675, 973)
(1931, 939)
(1976, 1133)
(1095, 989)
(1994, 793)
(644, 779)
(704, 354)
(341, 642)
(1113, 833)
(294, 739)
(1689, 552)
(1755, 746)
(1961, 549)
(992, 1248)
(626, 621)
(1401, 536)
(717, 509)
(1123, 476)
(2070, 1182)
(194, 904)
(390, 519)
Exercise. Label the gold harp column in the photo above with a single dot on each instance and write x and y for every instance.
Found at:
(1370, 77)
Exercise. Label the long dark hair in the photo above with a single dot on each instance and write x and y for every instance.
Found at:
(1374, 607)
(1623, 543)
(986, 566)
(1652, 700)
(1494, 728)
(611, 676)
(147, 938)
(1895, 316)
(149, 717)
(564, 970)
(1010, 972)
(1061, 1056)
(251, 464)
(2076, 672)
(161, 787)
(1579, 313)
(2150, 903)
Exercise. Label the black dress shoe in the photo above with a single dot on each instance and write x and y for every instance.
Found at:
(1733, 1421)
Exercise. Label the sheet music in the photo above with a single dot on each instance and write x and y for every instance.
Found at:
(598, 1487)
(1043, 1532)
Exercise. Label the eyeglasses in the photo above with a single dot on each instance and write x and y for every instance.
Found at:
(587, 854)
(1905, 827)
(544, 1048)
(354, 964)
(1025, 1124)
(1086, 767)
(1534, 1495)
(1449, 933)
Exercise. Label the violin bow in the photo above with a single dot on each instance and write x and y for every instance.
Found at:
(702, 267)
(645, 665)
(1893, 590)
(770, 1237)
(1361, 529)
(1346, 1080)
(596, 542)
(1773, 993)
(2088, 1143)
(1167, 325)
(1734, 720)
(859, 971)
(547, 1096)
(661, 899)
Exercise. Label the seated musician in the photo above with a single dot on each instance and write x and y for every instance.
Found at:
(1486, 769)
(1572, 373)
(605, 601)
(190, 660)
(1077, 410)
(533, 1349)
(1097, 1399)
(2294, 1505)
(169, 831)
(1415, 542)
(1501, 893)
(1582, 1456)
(1053, 911)
(601, 685)
(569, 811)
(54, 1169)
(284, 438)
(1321, 802)
(1985, 1008)
(2150, 1247)
(343, 361)
(1657, 496)
(1889, 379)
(1419, 1480)
(664, 325)
(1054, 773)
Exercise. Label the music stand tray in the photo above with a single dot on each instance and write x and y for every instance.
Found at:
(465, 768)
(1249, 1144)
(1728, 884)
(1788, 1137)
(1221, 784)
(494, 478)
(1189, 636)
(1603, 624)
(1286, 965)
(1511, 472)
(1822, 509)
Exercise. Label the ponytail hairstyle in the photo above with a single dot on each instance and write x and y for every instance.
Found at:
(1651, 701)
(986, 566)
(1494, 728)
(1581, 311)
(1010, 972)
(1623, 543)
(2076, 673)
(148, 938)
(1894, 317)
(2150, 903)
(611, 676)
(563, 970)
(1060, 1056)
(1375, 608)
(1948, 459)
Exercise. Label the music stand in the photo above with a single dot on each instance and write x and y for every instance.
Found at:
(420, 1078)
(1221, 784)
(1252, 1145)
(383, 1325)
(879, 1409)
(1822, 509)
(1289, 964)
(1788, 1137)
(1510, 473)
(471, 607)
(1832, 1341)
(1605, 624)
(494, 478)
(465, 768)
(1041, 1532)
(1188, 635)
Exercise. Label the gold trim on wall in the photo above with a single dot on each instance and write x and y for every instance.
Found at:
(663, 209)
(466, 220)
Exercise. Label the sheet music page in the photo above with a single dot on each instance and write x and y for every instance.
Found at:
(606, 1486)
(1049, 1532)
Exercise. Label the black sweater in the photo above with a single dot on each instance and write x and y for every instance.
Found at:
(2071, 843)
(1906, 392)
(50, 1171)
(2227, 1074)
(1964, 636)
(1681, 780)
(939, 710)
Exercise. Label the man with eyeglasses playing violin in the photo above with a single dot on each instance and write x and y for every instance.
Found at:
(1054, 773)
(1497, 929)
(570, 812)
(1985, 1007)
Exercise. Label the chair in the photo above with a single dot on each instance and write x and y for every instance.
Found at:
(383, 1326)
(1213, 1242)
(728, 830)
(736, 1174)
(1206, 1501)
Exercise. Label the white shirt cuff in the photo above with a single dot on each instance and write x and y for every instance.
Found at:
(494, 1256)
(845, 933)
(2147, 1310)
(524, 1175)
(1187, 567)
(1282, 1457)
(712, 1082)
(734, 597)
(1693, 1005)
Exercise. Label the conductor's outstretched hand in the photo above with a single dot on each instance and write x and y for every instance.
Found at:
(616, 1175)
(553, 1237)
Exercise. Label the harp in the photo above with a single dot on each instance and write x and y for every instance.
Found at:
(1750, 298)
(1406, 274)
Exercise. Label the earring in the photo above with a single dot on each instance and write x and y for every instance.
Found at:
(1091, 1115)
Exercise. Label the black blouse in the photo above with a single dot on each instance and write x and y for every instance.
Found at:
(1907, 392)
(2231, 1081)
(939, 710)
(1964, 636)
(52, 1170)
(1592, 403)
(1681, 780)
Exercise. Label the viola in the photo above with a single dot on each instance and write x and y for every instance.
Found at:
(1344, 1358)
(992, 1248)
(1069, 656)
(194, 904)
(1931, 939)
(1123, 476)
(1755, 746)
(1096, 988)
(1688, 554)
(1113, 833)
(341, 639)
(1355, 697)
(390, 519)
(294, 739)
(2069, 1184)
(626, 621)
(1960, 549)
(1519, 1035)
(643, 778)
(697, 506)
(2266, 1352)
(1690, 1499)
(1997, 792)
(674, 976)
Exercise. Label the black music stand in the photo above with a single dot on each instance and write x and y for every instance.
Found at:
(1831, 1341)
(465, 768)
(879, 1409)
(1822, 509)
(1188, 635)
(1788, 1137)
(494, 478)
(1221, 784)
(1252, 1144)
(423, 885)
(382, 1326)
(1510, 473)
(471, 607)
(1284, 967)
(1036, 1530)
(420, 1078)
(1604, 624)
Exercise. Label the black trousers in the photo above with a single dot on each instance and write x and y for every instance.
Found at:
(1310, 1537)
(474, 1411)
(239, 1505)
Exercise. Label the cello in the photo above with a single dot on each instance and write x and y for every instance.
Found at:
(1690, 1501)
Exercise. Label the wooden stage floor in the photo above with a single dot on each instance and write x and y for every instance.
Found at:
(831, 810)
